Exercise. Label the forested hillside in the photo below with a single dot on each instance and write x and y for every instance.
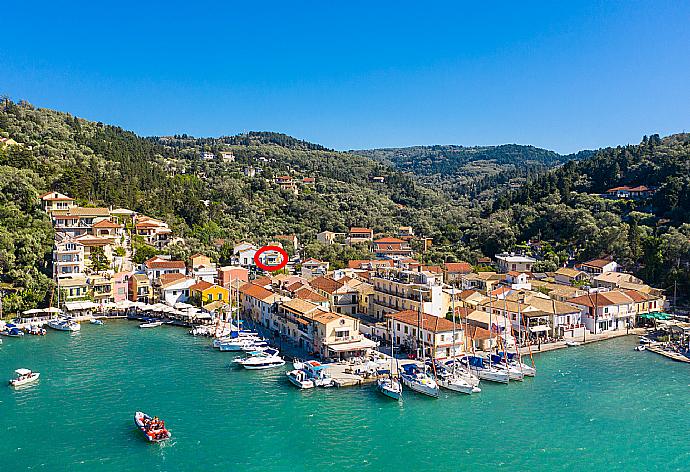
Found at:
(477, 171)
(211, 201)
(650, 236)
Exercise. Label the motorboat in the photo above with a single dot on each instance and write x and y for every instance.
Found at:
(242, 344)
(150, 324)
(300, 379)
(319, 373)
(416, 378)
(265, 359)
(36, 330)
(152, 428)
(388, 385)
(24, 376)
(490, 373)
(572, 343)
(234, 335)
(96, 321)
(641, 347)
(256, 345)
(64, 324)
(645, 340)
(12, 331)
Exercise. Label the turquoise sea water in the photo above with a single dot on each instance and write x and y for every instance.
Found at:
(596, 407)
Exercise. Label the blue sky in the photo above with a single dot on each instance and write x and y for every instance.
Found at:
(350, 75)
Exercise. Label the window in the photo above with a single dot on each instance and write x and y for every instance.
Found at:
(405, 328)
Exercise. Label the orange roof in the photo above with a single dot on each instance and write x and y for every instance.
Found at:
(106, 224)
(155, 263)
(201, 286)
(431, 323)
(263, 281)
(389, 240)
(602, 299)
(458, 267)
(361, 230)
(170, 278)
(255, 291)
(600, 263)
(306, 294)
(326, 284)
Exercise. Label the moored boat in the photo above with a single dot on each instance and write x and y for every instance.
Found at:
(24, 376)
(416, 378)
(265, 359)
(490, 373)
(300, 379)
(36, 330)
(64, 324)
(96, 321)
(151, 324)
(153, 429)
(389, 386)
(12, 331)
(572, 343)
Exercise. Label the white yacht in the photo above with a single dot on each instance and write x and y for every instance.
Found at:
(514, 372)
(150, 324)
(477, 366)
(390, 386)
(257, 360)
(299, 378)
(416, 378)
(24, 376)
(514, 361)
(64, 324)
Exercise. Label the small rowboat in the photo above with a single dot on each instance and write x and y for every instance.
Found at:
(151, 324)
(24, 376)
(153, 429)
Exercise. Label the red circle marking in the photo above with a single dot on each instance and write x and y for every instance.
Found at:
(271, 268)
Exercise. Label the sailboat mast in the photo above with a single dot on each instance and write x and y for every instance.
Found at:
(453, 305)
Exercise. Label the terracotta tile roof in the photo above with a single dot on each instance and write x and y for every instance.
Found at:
(600, 263)
(164, 264)
(84, 211)
(326, 284)
(263, 281)
(361, 230)
(106, 224)
(389, 240)
(602, 299)
(458, 267)
(255, 291)
(201, 286)
(294, 286)
(306, 294)
(301, 306)
(168, 278)
(429, 322)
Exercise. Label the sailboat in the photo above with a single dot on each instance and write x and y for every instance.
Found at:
(389, 385)
(416, 377)
(453, 379)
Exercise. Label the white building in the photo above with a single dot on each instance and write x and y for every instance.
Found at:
(606, 311)
(514, 262)
(176, 291)
(68, 258)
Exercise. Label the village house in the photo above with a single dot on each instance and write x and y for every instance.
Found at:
(342, 298)
(54, 201)
(175, 288)
(140, 289)
(227, 274)
(155, 232)
(314, 268)
(329, 237)
(205, 292)
(606, 311)
(636, 193)
(370, 264)
(287, 183)
(123, 216)
(258, 303)
(399, 290)
(360, 236)
(203, 268)
(78, 221)
(101, 288)
(227, 156)
(391, 248)
(406, 233)
(121, 286)
(646, 303)
(107, 229)
(613, 280)
(568, 276)
(305, 293)
(412, 330)
(481, 281)
(73, 288)
(68, 258)
(518, 280)
(598, 266)
(90, 243)
(453, 272)
(514, 262)
(159, 265)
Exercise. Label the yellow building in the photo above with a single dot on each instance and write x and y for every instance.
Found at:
(207, 292)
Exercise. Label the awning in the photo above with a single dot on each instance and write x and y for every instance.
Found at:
(353, 346)
(540, 328)
(78, 306)
(655, 316)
